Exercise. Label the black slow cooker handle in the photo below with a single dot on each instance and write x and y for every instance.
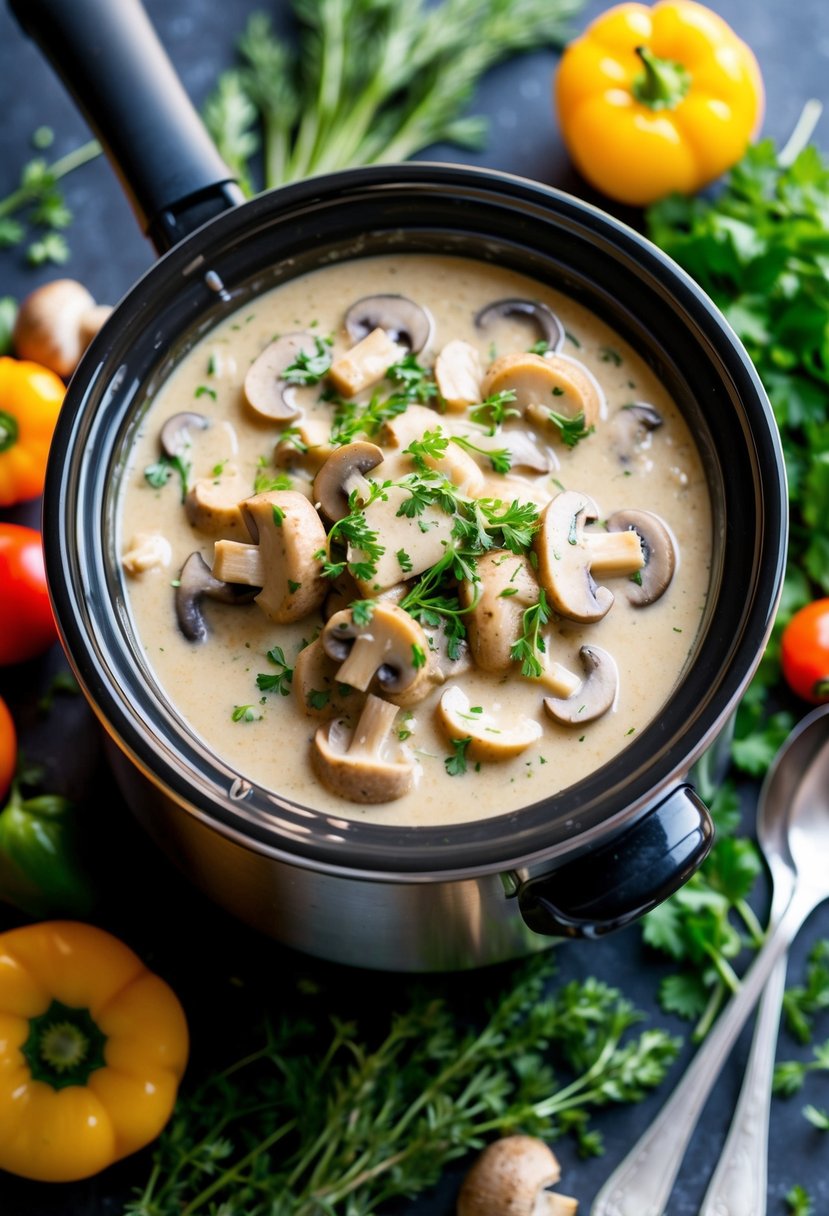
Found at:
(617, 882)
(111, 60)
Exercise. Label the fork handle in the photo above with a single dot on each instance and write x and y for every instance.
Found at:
(738, 1185)
(641, 1185)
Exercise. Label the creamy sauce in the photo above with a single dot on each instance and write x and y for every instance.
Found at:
(208, 682)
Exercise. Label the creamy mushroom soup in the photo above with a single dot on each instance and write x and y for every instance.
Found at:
(415, 539)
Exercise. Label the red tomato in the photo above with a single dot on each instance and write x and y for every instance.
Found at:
(27, 626)
(8, 749)
(804, 652)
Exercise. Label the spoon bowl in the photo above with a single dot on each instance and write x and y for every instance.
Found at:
(793, 832)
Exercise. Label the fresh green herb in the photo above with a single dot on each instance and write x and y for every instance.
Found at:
(279, 681)
(499, 458)
(818, 1118)
(404, 561)
(368, 81)
(352, 419)
(572, 430)
(38, 203)
(353, 529)
(318, 698)
(352, 1120)
(264, 482)
(455, 764)
(708, 923)
(362, 611)
(278, 515)
(158, 474)
(799, 1202)
(8, 316)
(495, 410)
(245, 713)
(414, 379)
(531, 642)
(204, 390)
(609, 354)
(802, 1002)
(418, 657)
(310, 368)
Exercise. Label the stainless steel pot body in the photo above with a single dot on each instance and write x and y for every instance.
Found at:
(581, 862)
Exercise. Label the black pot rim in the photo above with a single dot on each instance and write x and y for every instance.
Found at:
(94, 631)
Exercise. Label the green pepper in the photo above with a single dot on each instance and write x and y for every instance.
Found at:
(41, 868)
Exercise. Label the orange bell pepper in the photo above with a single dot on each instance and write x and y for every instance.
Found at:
(92, 1049)
(30, 401)
(653, 101)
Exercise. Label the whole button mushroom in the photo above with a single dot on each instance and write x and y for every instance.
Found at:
(510, 1178)
(384, 647)
(282, 559)
(56, 323)
(343, 472)
(569, 556)
(352, 761)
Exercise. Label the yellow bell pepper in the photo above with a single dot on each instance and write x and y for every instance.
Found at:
(92, 1049)
(30, 401)
(653, 101)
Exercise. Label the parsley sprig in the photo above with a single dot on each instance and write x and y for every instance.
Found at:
(353, 1119)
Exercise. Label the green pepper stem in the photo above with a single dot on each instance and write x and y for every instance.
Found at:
(664, 82)
(65, 1045)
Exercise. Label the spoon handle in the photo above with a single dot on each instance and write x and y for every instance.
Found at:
(641, 1185)
(738, 1186)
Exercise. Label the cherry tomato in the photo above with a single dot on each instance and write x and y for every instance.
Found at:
(27, 626)
(804, 652)
(8, 749)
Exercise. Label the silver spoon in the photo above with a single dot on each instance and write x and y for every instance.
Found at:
(794, 812)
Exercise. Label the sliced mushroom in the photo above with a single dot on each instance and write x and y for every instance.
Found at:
(507, 586)
(175, 433)
(510, 1177)
(212, 505)
(455, 464)
(343, 472)
(195, 583)
(567, 555)
(283, 558)
(595, 695)
(458, 374)
(316, 687)
(489, 737)
(410, 544)
(267, 392)
(365, 364)
(305, 446)
(659, 551)
(546, 323)
(544, 384)
(352, 762)
(405, 322)
(632, 427)
(388, 650)
(525, 452)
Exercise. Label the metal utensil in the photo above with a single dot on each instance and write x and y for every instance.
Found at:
(793, 828)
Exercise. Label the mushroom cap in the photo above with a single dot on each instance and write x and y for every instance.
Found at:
(212, 506)
(489, 738)
(631, 428)
(594, 697)
(342, 471)
(53, 325)
(508, 1178)
(494, 622)
(547, 324)
(564, 558)
(545, 383)
(659, 549)
(315, 672)
(266, 391)
(389, 651)
(458, 374)
(406, 322)
(351, 761)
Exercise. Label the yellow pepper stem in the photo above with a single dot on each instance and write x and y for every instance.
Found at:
(64, 1046)
(664, 82)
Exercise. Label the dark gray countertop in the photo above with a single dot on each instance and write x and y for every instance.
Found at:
(197, 947)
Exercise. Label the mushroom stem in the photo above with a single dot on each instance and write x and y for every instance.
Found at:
(237, 562)
(374, 724)
(361, 664)
(615, 554)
